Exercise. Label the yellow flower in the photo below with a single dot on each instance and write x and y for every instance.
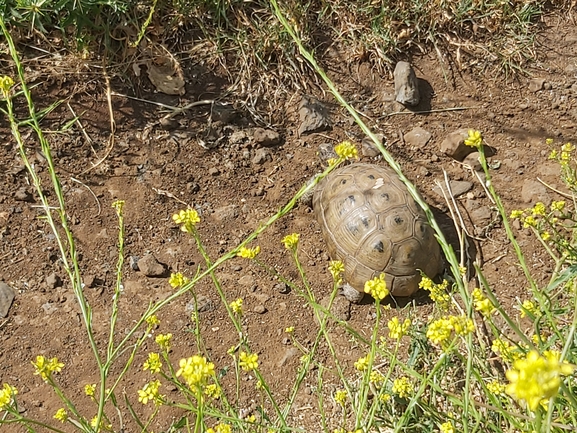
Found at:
(447, 427)
(152, 321)
(6, 84)
(150, 393)
(545, 236)
(529, 221)
(61, 415)
(250, 419)
(529, 307)
(337, 268)
(398, 330)
(332, 161)
(7, 394)
(248, 361)
(496, 387)
(402, 387)
(118, 205)
(505, 350)
(195, 371)
(291, 241)
(163, 340)
(536, 377)
(539, 209)
(236, 306)
(340, 396)
(362, 364)
(384, 398)
(45, 367)
(290, 330)
(440, 331)
(177, 280)
(474, 139)
(549, 141)
(152, 363)
(376, 378)
(437, 292)
(462, 325)
(89, 389)
(558, 206)
(482, 304)
(515, 214)
(377, 287)
(220, 428)
(248, 253)
(346, 150)
(213, 391)
(103, 426)
(187, 218)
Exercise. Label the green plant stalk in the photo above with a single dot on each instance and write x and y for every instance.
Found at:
(447, 248)
(118, 287)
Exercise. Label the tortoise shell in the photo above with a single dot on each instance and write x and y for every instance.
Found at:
(373, 225)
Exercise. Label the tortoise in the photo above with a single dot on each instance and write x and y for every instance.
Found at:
(372, 224)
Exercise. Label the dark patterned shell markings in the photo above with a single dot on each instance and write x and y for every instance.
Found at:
(373, 225)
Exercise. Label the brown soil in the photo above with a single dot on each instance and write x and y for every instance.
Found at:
(148, 166)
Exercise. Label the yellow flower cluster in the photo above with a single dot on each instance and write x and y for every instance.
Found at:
(437, 292)
(248, 361)
(496, 387)
(362, 364)
(152, 321)
(163, 341)
(248, 253)
(536, 377)
(150, 392)
(90, 389)
(6, 84)
(177, 280)
(236, 306)
(447, 427)
(504, 349)
(346, 150)
(376, 378)
(7, 394)
(340, 396)
(213, 391)
(482, 304)
(441, 330)
(474, 138)
(529, 307)
(152, 363)
(61, 415)
(45, 367)
(195, 371)
(402, 387)
(397, 329)
(187, 219)
(220, 428)
(337, 269)
(291, 241)
(377, 287)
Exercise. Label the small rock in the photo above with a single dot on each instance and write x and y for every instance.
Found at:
(227, 212)
(406, 84)
(237, 137)
(291, 352)
(369, 149)
(341, 307)
(49, 307)
(151, 267)
(481, 216)
(261, 155)
(314, 116)
(22, 194)
(417, 137)
(326, 151)
(458, 187)
(213, 171)
(513, 164)
(472, 160)
(536, 84)
(260, 309)
(533, 192)
(169, 123)
(133, 262)
(203, 305)
(266, 137)
(89, 281)
(53, 281)
(7, 295)
(454, 145)
(282, 288)
(246, 280)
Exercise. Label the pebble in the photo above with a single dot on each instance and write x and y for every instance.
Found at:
(49, 307)
(261, 155)
(290, 352)
(7, 295)
(260, 309)
(213, 171)
(227, 212)
(203, 305)
(406, 84)
(326, 151)
(151, 267)
(472, 160)
(417, 137)
(282, 288)
(536, 84)
(368, 147)
(133, 262)
(534, 191)
(314, 116)
(53, 281)
(454, 145)
(458, 187)
(22, 194)
(341, 307)
(246, 280)
(266, 137)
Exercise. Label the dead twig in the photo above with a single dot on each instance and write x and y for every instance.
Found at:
(91, 192)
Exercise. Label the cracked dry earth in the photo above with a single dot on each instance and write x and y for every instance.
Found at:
(215, 158)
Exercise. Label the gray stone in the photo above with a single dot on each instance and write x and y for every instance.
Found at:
(536, 84)
(368, 147)
(417, 137)
(49, 307)
(326, 151)
(340, 309)
(454, 145)
(480, 214)
(227, 212)
(472, 160)
(290, 352)
(246, 280)
(282, 288)
(53, 281)
(513, 163)
(22, 194)
(406, 84)
(534, 191)
(6, 298)
(314, 117)
(203, 304)
(259, 309)
(151, 267)
(458, 187)
(261, 155)
(266, 137)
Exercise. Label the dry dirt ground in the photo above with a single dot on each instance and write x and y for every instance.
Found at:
(154, 167)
